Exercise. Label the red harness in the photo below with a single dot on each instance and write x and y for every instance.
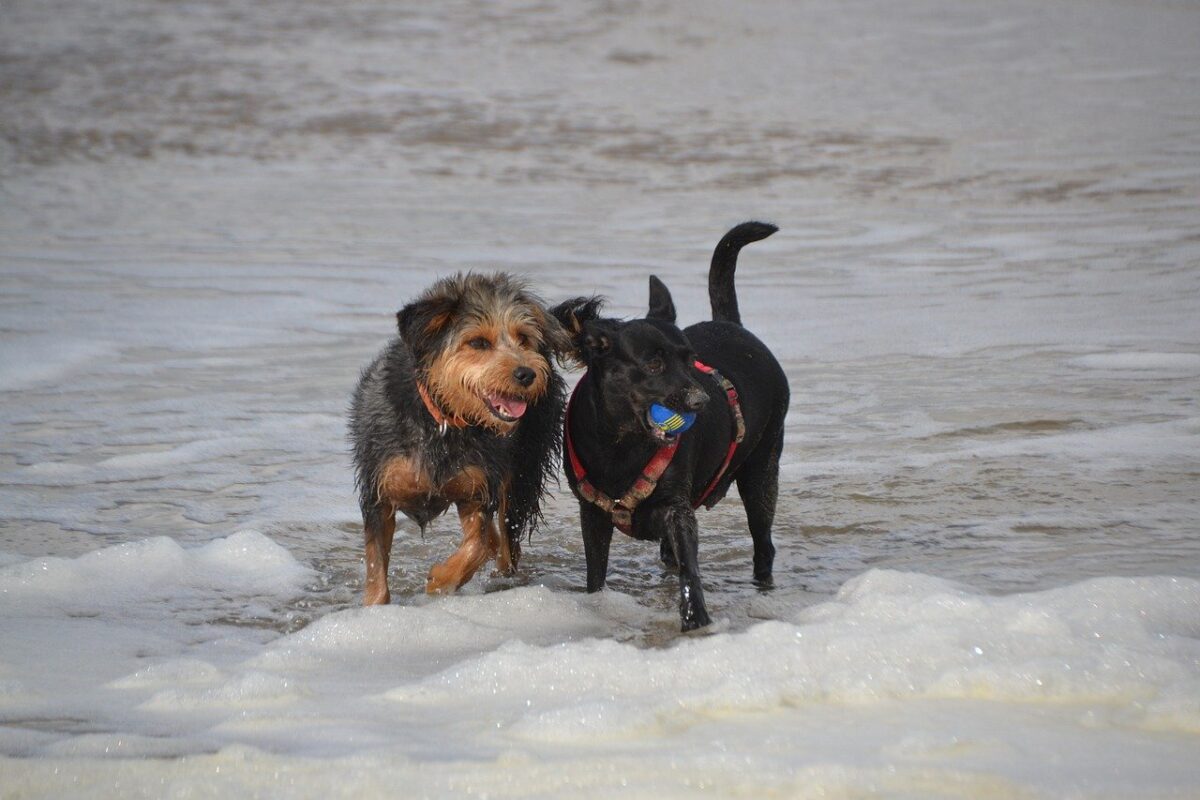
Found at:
(621, 510)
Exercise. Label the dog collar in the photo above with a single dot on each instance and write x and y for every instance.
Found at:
(438, 417)
(621, 510)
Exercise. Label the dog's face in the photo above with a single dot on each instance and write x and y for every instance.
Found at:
(483, 346)
(638, 363)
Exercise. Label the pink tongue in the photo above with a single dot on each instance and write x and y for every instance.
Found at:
(512, 406)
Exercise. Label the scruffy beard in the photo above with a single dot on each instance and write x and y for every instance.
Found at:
(478, 388)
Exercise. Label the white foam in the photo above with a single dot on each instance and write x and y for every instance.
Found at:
(174, 672)
(246, 564)
(445, 630)
(250, 690)
(1121, 446)
(1140, 362)
(39, 360)
(1127, 644)
(540, 674)
(122, 745)
(182, 454)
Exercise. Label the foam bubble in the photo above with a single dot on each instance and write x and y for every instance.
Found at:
(35, 360)
(249, 690)
(1139, 362)
(247, 564)
(886, 637)
(448, 628)
(174, 672)
(122, 745)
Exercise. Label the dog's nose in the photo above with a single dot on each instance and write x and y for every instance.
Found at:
(695, 398)
(524, 375)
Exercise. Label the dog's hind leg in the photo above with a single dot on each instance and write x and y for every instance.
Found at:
(479, 543)
(758, 484)
(597, 537)
(379, 526)
(678, 525)
(666, 553)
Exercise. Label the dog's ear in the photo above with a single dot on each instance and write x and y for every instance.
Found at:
(557, 342)
(661, 305)
(574, 316)
(596, 339)
(423, 322)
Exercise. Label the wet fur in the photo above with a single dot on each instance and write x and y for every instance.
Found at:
(632, 364)
(493, 471)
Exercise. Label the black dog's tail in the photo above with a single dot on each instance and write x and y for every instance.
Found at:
(724, 261)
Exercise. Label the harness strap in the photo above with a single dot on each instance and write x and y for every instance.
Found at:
(739, 428)
(622, 510)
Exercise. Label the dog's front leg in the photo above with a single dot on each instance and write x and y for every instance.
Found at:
(479, 543)
(508, 543)
(678, 526)
(597, 537)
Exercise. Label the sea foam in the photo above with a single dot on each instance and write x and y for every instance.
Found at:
(131, 574)
(1126, 644)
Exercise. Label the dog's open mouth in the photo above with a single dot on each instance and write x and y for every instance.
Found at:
(657, 432)
(509, 409)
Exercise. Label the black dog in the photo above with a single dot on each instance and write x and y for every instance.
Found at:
(615, 450)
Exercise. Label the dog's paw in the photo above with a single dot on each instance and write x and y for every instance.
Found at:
(713, 627)
(441, 581)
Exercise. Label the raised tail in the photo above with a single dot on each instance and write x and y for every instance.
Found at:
(724, 261)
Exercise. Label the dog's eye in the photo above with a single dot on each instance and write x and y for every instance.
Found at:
(480, 343)
(655, 366)
(522, 340)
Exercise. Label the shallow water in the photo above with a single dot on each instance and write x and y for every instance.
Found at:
(983, 292)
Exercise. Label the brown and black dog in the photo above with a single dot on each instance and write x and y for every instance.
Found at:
(463, 407)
